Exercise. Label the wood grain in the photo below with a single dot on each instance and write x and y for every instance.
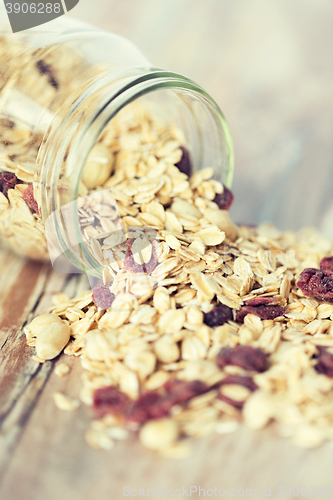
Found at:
(269, 66)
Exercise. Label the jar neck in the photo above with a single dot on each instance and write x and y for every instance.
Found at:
(78, 124)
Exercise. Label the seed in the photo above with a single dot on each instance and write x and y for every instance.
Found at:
(52, 339)
(159, 434)
(37, 324)
(98, 167)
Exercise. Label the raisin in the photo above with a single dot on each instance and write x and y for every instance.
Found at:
(263, 311)
(109, 400)
(326, 264)
(316, 283)
(102, 296)
(131, 265)
(218, 316)
(184, 165)
(8, 180)
(224, 200)
(244, 356)
(29, 198)
(46, 69)
(247, 382)
(325, 362)
(182, 391)
(262, 301)
(150, 405)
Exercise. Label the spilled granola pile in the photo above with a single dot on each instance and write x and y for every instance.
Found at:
(199, 324)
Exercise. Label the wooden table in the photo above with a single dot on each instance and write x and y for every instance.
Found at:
(269, 66)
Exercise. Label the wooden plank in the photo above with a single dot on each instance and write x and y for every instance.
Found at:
(21, 378)
(53, 461)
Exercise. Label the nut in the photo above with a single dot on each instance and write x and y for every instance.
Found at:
(98, 167)
(159, 434)
(52, 339)
(38, 324)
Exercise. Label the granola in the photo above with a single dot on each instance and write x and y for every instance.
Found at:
(199, 324)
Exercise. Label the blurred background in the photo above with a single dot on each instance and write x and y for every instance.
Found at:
(269, 65)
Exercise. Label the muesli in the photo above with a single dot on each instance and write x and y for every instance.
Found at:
(199, 324)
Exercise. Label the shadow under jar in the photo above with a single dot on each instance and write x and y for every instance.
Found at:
(80, 109)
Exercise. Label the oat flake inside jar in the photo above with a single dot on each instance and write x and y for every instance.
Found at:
(93, 137)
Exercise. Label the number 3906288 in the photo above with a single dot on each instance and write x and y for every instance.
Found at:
(33, 8)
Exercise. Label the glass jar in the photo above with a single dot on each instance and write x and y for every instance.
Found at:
(61, 93)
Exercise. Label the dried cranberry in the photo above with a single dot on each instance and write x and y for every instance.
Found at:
(8, 180)
(29, 198)
(325, 362)
(131, 265)
(46, 69)
(224, 200)
(247, 382)
(317, 284)
(263, 311)
(218, 316)
(326, 264)
(244, 356)
(109, 400)
(102, 296)
(184, 165)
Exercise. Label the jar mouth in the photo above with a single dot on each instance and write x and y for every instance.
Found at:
(85, 122)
